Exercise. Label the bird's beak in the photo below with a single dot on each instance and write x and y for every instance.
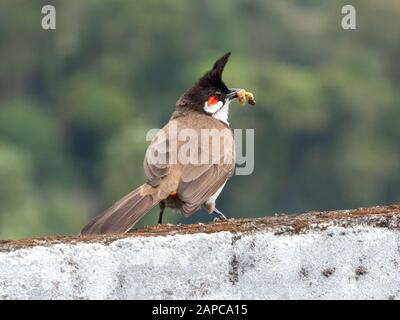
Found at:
(233, 93)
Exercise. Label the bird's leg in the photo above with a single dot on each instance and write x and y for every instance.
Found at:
(219, 214)
(162, 208)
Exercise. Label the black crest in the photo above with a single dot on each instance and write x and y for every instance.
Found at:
(213, 78)
(207, 85)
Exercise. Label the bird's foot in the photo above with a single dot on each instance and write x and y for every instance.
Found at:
(219, 215)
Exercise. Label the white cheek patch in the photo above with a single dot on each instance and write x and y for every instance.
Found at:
(223, 113)
(213, 108)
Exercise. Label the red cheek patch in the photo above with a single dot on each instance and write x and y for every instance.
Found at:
(212, 100)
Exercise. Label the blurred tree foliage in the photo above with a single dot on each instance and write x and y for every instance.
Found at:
(76, 103)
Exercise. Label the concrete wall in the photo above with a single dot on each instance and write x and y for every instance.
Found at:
(339, 255)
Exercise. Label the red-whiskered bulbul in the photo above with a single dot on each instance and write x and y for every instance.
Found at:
(182, 185)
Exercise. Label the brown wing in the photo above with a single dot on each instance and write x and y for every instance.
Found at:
(194, 183)
(156, 159)
(200, 182)
(194, 193)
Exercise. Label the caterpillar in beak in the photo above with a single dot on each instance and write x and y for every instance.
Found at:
(244, 95)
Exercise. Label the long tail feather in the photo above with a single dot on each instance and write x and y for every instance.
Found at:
(124, 214)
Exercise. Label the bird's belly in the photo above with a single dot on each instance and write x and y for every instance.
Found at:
(173, 202)
(213, 198)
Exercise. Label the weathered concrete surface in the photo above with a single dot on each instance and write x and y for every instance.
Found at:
(351, 254)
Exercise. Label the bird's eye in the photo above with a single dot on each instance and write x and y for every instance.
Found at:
(218, 94)
(212, 100)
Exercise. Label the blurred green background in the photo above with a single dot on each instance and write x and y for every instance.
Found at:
(76, 103)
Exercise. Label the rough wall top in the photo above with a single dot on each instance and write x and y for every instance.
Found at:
(340, 254)
(380, 216)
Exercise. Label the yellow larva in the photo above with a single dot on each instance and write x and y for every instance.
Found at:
(244, 95)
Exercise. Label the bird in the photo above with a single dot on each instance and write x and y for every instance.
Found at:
(184, 186)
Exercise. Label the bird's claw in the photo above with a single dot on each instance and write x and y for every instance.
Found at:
(219, 215)
(218, 219)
